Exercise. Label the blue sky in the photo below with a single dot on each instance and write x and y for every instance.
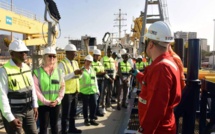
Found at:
(95, 17)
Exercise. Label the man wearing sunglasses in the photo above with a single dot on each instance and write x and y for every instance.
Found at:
(161, 90)
(17, 91)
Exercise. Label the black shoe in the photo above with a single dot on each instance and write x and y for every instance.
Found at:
(75, 131)
(99, 114)
(86, 122)
(95, 118)
(93, 122)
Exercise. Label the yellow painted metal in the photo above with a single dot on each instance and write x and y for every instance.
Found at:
(202, 73)
(210, 78)
(31, 28)
(10, 21)
(137, 29)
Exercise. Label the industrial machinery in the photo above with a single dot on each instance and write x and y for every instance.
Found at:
(34, 31)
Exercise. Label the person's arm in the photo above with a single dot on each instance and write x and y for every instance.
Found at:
(39, 93)
(160, 86)
(68, 76)
(4, 103)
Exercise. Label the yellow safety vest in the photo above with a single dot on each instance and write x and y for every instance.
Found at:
(109, 65)
(125, 68)
(72, 85)
(19, 87)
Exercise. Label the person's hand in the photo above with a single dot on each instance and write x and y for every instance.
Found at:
(53, 103)
(16, 123)
(77, 72)
(35, 113)
(134, 72)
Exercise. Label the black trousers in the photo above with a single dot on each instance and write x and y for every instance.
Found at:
(48, 114)
(101, 88)
(69, 106)
(91, 102)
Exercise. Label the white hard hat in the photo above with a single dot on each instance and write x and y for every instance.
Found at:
(89, 58)
(139, 57)
(123, 51)
(49, 50)
(97, 52)
(18, 46)
(160, 31)
(70, 47)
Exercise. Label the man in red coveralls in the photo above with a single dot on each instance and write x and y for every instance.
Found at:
(161, 90)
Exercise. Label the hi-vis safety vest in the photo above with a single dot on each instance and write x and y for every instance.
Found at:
(72, 85)
(109, 63)
(87, 82)
(140, 65)
(125, 68)
(19, 87)
(49, 85)
(98, 67)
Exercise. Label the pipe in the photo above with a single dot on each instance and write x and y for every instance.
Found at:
(179, 48)
(190, 94)
(193, 85)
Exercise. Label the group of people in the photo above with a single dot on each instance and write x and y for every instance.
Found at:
(27, 95)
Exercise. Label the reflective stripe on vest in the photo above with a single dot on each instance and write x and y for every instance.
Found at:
(125, 68)
(49, 84)
(87, 82)
(71, 85)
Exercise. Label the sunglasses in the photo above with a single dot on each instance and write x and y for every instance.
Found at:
(22, 52)
(52, 56)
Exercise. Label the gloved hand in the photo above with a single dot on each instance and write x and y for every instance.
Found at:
(134, 72)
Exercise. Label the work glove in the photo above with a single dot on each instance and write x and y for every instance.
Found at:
(134, 72)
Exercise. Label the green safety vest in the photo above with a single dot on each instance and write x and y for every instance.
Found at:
(87, 82)
(49, 85)
(71, 85)
(19, 87)
(109, 63)
(125, 68)
(140, 65)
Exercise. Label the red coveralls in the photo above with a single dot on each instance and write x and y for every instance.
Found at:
(160, 93)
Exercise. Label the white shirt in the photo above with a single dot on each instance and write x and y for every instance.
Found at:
(67, 76)
(4, 103)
